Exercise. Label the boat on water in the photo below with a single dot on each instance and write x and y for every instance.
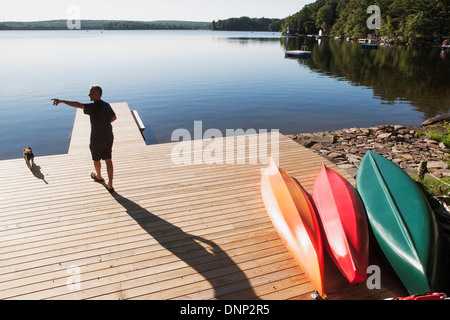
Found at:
(403, 225)
(293, 216)
(344, 224)
(369, 43)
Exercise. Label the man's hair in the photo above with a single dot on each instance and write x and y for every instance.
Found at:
(97, 89)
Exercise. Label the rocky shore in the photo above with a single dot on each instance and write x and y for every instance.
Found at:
(406, 146)
(409, 147)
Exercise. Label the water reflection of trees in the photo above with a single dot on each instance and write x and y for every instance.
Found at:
(419, 76)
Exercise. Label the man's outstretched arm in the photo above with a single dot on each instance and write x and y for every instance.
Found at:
(73, 104)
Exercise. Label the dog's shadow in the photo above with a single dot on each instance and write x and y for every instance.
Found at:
(36, 170)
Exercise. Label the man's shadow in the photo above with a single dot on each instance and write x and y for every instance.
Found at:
(207, 262)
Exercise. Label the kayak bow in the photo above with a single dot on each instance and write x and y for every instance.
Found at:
(344, 224)
(294, 218)
(403, 224)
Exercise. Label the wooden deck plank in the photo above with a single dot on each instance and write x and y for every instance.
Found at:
(172, 231)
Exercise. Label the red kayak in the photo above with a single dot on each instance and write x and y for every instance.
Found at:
(344, 224)
(427, 296)
(294, 217)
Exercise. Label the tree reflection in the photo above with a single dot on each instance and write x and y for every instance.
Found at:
(419, 76)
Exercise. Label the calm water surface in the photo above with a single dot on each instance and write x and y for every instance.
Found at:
(228, 80)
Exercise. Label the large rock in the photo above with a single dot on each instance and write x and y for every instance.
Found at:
(437, 119)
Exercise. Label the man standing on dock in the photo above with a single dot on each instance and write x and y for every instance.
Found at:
(101, 115)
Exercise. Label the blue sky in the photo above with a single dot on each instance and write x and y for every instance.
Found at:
(147, 10)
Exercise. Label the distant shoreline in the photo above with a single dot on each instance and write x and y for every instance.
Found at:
(103, 25)
(230, 24)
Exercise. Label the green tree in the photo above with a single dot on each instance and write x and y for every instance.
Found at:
(415, 27)
(249, 24)
(302, 22)
(387, 28)
(352, 19)
(275, 25)
(325, 18)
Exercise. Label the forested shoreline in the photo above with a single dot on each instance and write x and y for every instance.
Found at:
(105, 25)
(247, 24)
(411, 21)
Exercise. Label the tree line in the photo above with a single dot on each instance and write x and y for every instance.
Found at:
(159, 25)
(247, 24)
(105, 25)
(231, 24)
(412, 21)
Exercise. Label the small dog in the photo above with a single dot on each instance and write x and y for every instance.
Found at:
(28, 156)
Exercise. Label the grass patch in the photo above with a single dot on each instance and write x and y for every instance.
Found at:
(439, 133)
(435, 187)
(441, 137)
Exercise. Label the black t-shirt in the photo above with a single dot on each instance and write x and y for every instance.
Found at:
(100, 114)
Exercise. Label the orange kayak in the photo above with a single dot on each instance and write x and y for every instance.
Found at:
(294, 218)
(344, 222)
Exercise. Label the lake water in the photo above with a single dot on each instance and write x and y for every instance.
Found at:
(227, 80)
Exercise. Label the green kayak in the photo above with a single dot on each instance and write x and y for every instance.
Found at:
(403, 224)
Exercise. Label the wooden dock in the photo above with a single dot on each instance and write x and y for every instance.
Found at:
(298, 54)
(171, 231)
(304, 53)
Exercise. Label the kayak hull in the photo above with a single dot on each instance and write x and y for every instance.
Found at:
(403, 224)
(295, 220)
(344, 224)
